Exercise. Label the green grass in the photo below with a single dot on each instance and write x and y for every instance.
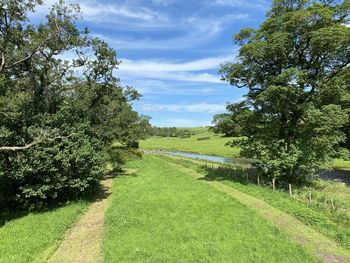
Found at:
(214, 146)
(319, 214)
(341, 164)
(162, 215)
(34, 237)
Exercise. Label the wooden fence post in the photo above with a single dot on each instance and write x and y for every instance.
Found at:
(310, 197)
(273, 184)
(258, 180)
(290, 190)
(332, 203)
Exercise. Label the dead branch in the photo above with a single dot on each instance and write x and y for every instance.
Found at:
(35, 142)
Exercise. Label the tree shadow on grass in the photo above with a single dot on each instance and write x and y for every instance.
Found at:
(246, 176)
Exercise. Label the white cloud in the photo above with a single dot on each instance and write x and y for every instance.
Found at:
(190, 32)
(96, 12)
(155, 88)
(112, 13)
(197, 107)
(154, 65)
(186, 71)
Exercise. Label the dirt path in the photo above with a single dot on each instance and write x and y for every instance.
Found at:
(83, 242)
(318, 244)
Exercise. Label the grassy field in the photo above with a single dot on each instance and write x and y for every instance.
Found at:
(214, 145)
(34, 237)
(162, 215)
(319, 213)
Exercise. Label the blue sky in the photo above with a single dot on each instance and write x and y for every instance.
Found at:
(171, 51)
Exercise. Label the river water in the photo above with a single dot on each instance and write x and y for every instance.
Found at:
(334, 175)
(212, 158)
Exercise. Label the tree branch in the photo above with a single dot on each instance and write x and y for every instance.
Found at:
(35, 142)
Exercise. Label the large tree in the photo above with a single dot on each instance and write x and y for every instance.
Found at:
(293, 67)
(60, 105)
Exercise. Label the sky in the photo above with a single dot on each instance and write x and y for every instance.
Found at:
(171, 51)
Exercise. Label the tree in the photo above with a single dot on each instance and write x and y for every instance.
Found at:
(228, 123)
(57, 115)
(289, 66)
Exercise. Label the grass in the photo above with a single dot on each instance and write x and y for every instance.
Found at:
(34, 237)
(213, 146)
(319, 214)
(162, 215)
(341, 164)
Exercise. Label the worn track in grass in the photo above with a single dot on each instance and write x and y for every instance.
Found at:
(83, 242)
(318, 244)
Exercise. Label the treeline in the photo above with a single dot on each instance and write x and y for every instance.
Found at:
(61, 106)
(294, 118)
(171, 132)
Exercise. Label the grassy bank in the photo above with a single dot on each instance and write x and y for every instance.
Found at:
(34, 237)
(162, 215)
(331, 220)
(204, 142)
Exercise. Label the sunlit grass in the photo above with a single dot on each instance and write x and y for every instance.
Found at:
(319, 213)
(162, 215)
(216, 145)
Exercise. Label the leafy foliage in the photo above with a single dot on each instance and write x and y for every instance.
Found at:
(294, 67)
(60, 105)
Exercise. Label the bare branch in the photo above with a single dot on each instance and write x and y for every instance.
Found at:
(2, 61)
(35, 142)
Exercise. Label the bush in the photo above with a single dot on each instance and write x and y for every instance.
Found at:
(51, 173)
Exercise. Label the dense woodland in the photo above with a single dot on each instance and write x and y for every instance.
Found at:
(58, 115)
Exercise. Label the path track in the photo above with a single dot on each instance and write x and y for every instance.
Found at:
(318, 244)
(83, 242)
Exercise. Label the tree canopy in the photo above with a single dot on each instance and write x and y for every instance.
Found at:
(295, 68)
(60, 105)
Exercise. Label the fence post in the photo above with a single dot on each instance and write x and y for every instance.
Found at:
(310, 197)
(290, 190)
(273, 184)
(246, 177)
(258, 180)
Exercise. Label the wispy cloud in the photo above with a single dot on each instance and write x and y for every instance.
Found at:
(193, 71)
(151, 87)
(188, 32)
(196, 107)
(164, 66)
(259, 4)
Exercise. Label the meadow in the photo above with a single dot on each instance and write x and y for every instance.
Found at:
(324, 205)
(203, 142)
(162, 215)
